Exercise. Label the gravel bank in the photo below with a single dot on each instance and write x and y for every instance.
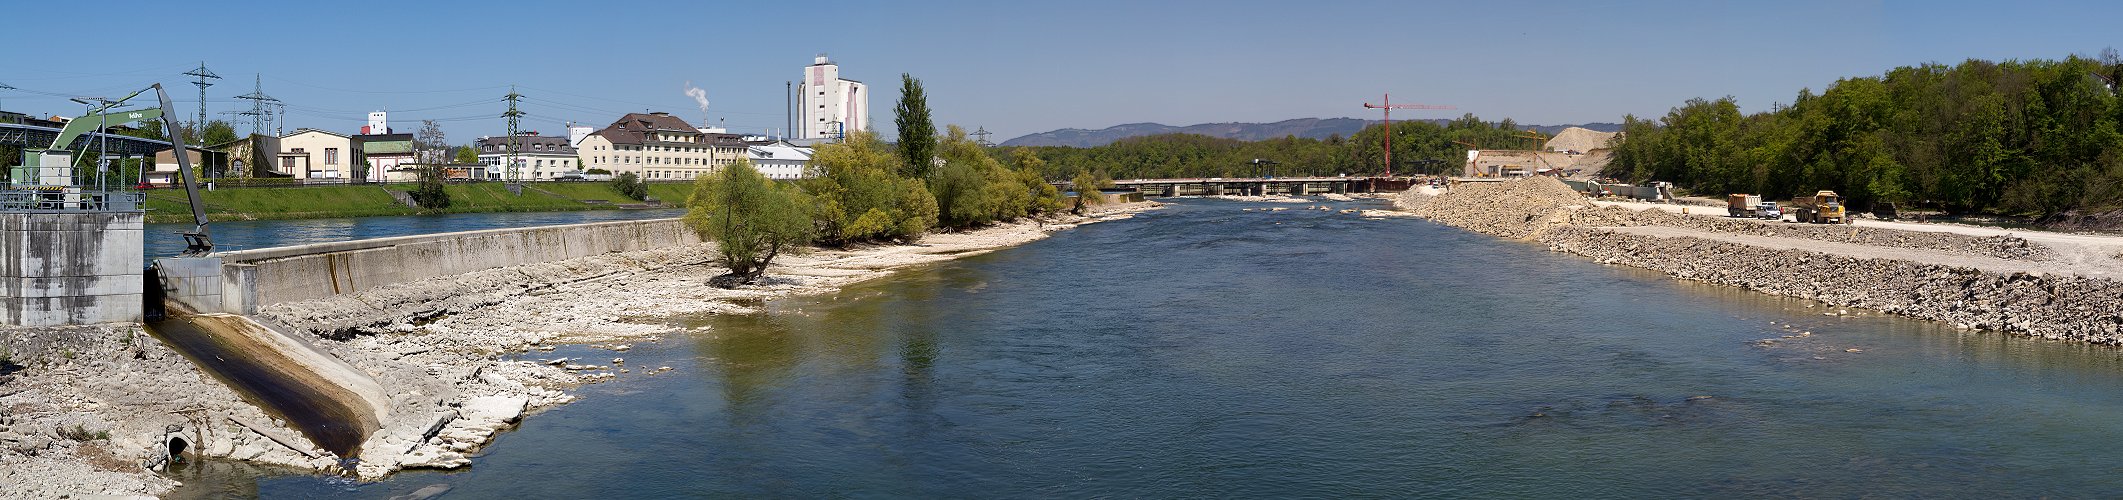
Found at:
(1999, 283)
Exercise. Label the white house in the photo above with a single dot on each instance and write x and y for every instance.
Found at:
(781, 160)
(538, 158)
(315, 154)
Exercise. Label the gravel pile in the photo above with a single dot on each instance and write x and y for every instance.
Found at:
(2061, 307)
(2053, 306)
(1512, 209)
(1524, 208)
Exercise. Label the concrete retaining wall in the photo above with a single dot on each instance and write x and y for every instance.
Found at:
(70, 268)
(248, 279)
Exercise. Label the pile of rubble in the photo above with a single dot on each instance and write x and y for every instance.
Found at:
(2048, 305)
(2003, 247)
(1512, 209)
(1524, 208)
(2051, 306)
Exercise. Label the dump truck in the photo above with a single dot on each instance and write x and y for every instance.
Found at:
(1742, 205)
(1824, 207)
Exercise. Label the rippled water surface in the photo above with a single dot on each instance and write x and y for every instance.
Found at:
(1208, 351)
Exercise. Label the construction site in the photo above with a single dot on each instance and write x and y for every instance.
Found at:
(2050, 285)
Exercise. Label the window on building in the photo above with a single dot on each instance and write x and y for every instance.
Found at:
(331, 156)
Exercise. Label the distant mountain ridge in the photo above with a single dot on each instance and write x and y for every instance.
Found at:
(1313, 128)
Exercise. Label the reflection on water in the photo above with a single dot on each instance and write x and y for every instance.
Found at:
(1204, 351)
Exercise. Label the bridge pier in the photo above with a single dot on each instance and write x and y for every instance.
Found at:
(1339, 187)
(1213, 189)
(1297, 189)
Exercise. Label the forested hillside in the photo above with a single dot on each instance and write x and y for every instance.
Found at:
(2035, 138)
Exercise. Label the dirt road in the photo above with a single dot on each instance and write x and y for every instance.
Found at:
(2080, 254)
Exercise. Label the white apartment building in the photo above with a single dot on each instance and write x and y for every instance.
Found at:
(538, 157)
(828, 106)
(659, 147)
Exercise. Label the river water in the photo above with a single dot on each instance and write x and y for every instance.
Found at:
(1207, 351)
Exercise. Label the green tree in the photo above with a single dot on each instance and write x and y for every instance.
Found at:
(974, 189)
(430, 194)
(1087, 186)
(917, 135)
(859, 195)
(1028, 165)
(146, 129)
(630, 185)
(217, 132)
(752, 219)
(466, 155)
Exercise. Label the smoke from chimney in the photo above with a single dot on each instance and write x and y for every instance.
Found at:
(698, 95)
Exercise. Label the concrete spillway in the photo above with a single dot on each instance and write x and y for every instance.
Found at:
(335, 405)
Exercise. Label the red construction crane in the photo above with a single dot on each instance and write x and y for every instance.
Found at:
(1389, 106)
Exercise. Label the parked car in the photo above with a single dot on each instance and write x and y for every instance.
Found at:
(1769, 210)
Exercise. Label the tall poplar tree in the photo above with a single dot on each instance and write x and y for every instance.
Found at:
(917, 135)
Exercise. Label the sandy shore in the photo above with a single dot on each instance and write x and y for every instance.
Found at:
(2049, 285)
(440, 348)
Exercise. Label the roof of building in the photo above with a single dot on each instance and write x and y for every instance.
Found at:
(385, 137)
(634, 128)
(526, 143)
(386, 143)
(301, 131)
(780, 151)
(387, 147)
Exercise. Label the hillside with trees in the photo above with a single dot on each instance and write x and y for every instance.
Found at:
(2036, 138)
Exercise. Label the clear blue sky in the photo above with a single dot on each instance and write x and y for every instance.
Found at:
(1012, 67)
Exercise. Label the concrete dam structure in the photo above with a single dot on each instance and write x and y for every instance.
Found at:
(336, 405)
(239, 282)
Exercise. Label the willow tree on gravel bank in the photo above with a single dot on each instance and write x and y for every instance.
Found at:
(859, 195)
(752, 219)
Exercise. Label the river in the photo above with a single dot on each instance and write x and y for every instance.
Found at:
(1207, 351)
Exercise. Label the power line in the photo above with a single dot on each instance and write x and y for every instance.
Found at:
(513, 115)
(203, 75)
(321, 87)
(261, 112)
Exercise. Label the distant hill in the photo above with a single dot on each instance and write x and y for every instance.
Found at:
(1314, 128)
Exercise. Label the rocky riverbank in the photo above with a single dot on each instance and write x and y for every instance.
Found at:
(90, 410)
(2001, 283)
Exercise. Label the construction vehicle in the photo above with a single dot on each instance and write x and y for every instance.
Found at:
(1824, 207)
(1742, 205)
